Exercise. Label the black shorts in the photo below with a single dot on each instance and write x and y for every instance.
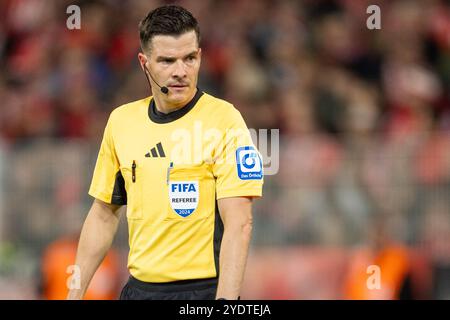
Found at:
(202, 289)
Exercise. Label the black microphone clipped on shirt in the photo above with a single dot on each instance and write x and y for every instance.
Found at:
(163, 89)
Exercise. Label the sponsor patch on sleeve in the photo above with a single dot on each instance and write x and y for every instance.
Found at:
(249, 164)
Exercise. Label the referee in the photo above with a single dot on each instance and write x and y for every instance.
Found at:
(184, 164)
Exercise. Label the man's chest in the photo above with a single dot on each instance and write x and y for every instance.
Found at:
(189, 144)
(160, 166)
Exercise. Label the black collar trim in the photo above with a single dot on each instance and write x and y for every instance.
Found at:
(159, 117)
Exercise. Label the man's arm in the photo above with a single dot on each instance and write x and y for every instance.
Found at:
(236, 214)
(96, 238)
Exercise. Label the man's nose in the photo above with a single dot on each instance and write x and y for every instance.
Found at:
(180, 69)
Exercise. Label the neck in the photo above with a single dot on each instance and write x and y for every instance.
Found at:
(164, 106)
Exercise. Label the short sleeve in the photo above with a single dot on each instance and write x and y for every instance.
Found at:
(107, 182)
(237, 166)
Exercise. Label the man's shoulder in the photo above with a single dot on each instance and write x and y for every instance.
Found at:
(218, 102)
(130, 108)
(218, 106)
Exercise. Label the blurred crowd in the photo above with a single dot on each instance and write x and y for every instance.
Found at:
(364, 115)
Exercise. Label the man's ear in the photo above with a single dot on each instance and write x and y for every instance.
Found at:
(142, 60)
(200, 55)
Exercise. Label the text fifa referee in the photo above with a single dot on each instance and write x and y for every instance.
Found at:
(184, 164)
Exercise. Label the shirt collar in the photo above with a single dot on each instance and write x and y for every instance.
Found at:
(160, 117)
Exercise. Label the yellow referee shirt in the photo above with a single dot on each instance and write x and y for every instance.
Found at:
(170, 170)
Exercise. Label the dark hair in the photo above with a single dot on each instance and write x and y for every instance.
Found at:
(167, 20)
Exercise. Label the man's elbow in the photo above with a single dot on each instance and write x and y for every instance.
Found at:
(247, 226)
(237, 215)
(242, 226)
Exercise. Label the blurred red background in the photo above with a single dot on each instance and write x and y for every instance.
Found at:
(364, 119)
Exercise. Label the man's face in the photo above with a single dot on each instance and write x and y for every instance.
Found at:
(174, 62)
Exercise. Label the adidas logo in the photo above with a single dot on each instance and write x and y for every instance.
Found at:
(155, 151)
